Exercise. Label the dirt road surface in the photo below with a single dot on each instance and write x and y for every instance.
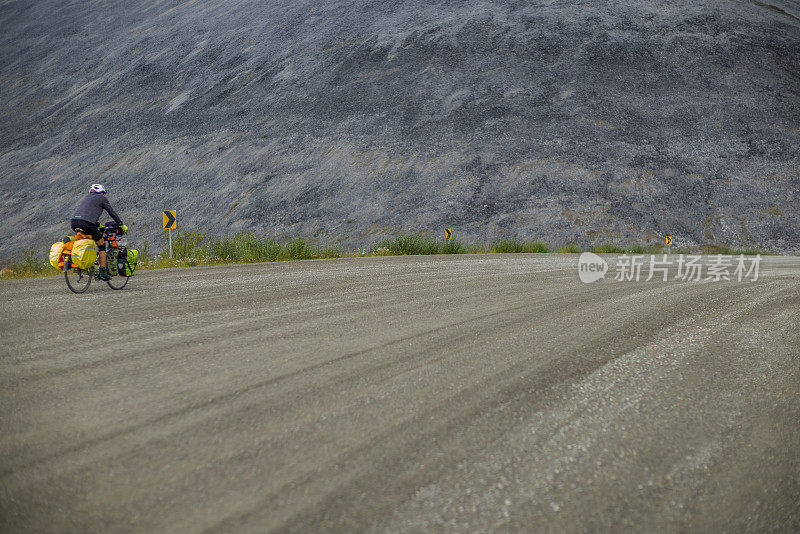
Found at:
(404, 394)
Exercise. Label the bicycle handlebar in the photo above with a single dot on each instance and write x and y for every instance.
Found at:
(110, 228)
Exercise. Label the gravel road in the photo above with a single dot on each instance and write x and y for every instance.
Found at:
(404, 394)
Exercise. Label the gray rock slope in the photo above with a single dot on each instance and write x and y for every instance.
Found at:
(349, 120)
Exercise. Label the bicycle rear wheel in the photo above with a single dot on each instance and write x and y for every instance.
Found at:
(78, 280)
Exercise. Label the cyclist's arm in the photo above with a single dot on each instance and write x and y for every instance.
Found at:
(110, 210)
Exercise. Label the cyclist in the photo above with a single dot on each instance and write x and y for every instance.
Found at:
(87, 217)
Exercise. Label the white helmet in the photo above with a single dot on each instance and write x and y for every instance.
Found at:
(97, 188)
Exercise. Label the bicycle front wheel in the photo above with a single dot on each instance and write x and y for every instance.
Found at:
(118, 282)
(78, 280)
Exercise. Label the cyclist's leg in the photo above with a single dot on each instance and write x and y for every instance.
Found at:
(101, 256)
(101, 252)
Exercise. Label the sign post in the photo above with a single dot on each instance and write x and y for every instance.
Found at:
(669, 244)
(170, 221)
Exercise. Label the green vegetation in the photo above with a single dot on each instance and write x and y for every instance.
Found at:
(193, 248)
(729, 251)
(517, 246)
(570, 248)
(636, 248)
(608, 248)
(29, 266)
(413, 244)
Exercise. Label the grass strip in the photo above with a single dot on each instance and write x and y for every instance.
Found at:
(192, 249)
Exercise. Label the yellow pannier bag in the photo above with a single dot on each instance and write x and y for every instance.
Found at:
(55, 254)
(84, 252)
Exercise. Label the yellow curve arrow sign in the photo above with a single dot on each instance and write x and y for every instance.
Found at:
(169, 219)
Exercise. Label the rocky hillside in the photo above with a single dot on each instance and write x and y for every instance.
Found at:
(348, 120)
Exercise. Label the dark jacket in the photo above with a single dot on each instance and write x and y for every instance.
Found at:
(92, 206)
